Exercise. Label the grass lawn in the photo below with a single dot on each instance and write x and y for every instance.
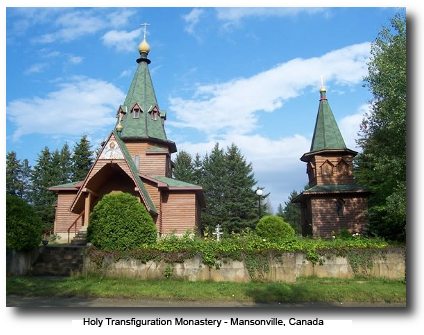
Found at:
(304, 290)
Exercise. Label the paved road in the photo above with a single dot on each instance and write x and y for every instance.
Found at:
(21, 301)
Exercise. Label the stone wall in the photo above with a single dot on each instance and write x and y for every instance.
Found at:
(18, 263)
(288, 268)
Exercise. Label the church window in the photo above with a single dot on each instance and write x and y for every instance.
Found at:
(137, 161)
(136, 113)
(340, 204)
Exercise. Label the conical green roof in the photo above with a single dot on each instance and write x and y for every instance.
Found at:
(149, 122)
(327, 134)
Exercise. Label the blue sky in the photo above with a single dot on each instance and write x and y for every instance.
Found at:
(249, 76)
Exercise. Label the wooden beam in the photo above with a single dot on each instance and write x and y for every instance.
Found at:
(87, 190)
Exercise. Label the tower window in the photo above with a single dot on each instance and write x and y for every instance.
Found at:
(136, 113)
(137, 161)
(340, 204)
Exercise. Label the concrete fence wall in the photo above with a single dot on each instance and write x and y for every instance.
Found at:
(286, 269)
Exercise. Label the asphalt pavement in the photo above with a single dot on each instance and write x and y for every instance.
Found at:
(26, 301)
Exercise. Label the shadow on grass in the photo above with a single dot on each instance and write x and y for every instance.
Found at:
(285, 294)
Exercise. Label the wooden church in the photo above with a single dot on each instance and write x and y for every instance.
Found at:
(333, 202)
(135, 158)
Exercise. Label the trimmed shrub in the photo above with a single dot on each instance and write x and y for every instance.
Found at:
(120, 222)
(23, 226)
(273, 228)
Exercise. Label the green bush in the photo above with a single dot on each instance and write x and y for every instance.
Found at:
(23, 225)
(120, 222)
(274, 228)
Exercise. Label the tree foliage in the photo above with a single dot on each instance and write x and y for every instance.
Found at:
(82, 159)
(23, 226)
(274, 229)
(17, 176)
(291, 212)
(120, 222)
(228, 184)
(43, 176)
(382, 164)
(184, 169)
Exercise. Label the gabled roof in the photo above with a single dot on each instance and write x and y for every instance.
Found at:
(134, 176)
(134, 171)
(327, 134)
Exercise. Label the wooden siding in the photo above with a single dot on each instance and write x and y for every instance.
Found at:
(154, 165)
(330, 170)
(179, 212)
(325, 218)
(64, 217)
(155, 196)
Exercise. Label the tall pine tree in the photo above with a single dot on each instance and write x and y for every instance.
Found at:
(44, 175)
(240, 199)
(82, 159)
(17, 176)
(228, 183)
(184, 169)
(65, 164)
(291, 212)
(215, 184)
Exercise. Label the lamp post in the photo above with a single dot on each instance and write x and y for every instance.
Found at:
(259, 194)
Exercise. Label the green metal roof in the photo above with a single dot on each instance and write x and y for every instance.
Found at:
(327, 134)
(67, 185)
(141, 92)
(134, 171)
(334, 188)
(156, 149)
(174, 182)
(329, 190)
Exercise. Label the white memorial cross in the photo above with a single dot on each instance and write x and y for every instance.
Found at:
(218, 232)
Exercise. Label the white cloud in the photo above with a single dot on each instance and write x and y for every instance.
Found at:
(122, 40)
(235, 107)
(235, 104)
(52, 54)
(36, 68)
(276, 163)
(125, 73)
(84, 105)
(349, 126)
(73, 24)
(75, 59)
(192, 19)
(233, 16)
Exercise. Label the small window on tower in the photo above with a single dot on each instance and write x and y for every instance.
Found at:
(137, 161)
(136, 113)
(340, 207)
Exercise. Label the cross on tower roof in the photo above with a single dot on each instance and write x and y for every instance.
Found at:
(145, 25)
